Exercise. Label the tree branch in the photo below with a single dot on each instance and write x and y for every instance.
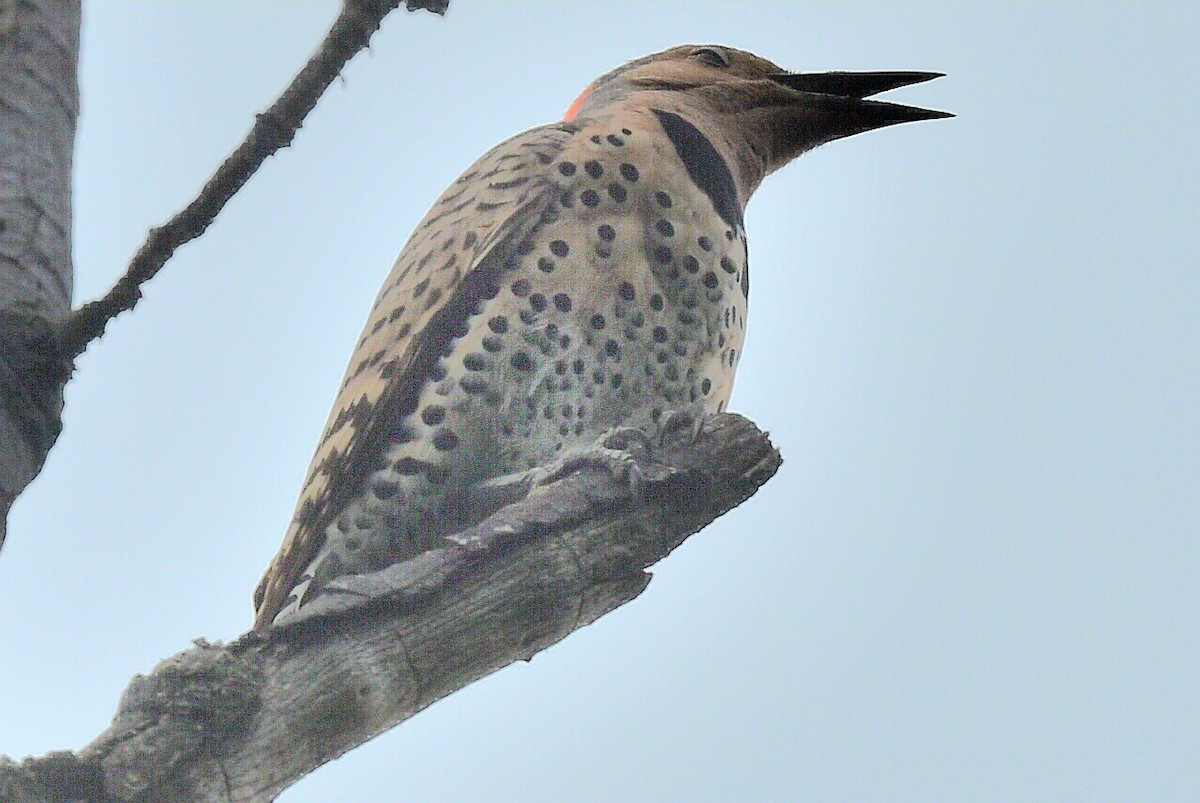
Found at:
(273, 130)
(244, 721)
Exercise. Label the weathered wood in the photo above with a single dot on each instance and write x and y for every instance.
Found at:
(39, 104)
(244, 721)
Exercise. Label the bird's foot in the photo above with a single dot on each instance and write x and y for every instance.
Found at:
(618, 451)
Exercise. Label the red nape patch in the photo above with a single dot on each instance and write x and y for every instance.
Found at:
(574, 110)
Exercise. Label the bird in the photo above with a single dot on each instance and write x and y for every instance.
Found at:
(585, 277)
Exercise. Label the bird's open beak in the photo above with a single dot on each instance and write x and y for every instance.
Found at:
(846, 92)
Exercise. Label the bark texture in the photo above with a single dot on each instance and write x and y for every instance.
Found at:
(39, 103)
(244, 721)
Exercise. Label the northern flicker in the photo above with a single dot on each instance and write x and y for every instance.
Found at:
(582, 276)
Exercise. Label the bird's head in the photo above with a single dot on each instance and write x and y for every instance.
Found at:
(758, 116)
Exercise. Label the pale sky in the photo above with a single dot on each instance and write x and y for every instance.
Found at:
(975, 341)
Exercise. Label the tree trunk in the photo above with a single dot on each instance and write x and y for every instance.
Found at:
(39, 103)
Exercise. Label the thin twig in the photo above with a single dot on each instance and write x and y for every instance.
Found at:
(272, 131)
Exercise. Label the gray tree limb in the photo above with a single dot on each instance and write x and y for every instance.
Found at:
(39, 103)
(244, 721)
(272, 131)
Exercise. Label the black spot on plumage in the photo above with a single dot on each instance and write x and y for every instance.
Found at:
(626, 291)
(615, 141)
(629, 172)
(420, 288)
(660, 334)
(597, 321)
(474, 385)
(475, 361)
(593, 168)
(663, 254)
(727, 265)
(606, 233)
(705, 244)
(566, 168)
(559, 248)
(691, 264)
(664, 227)
(537, 302)
(384, 488)
(433, 415)
(710, 280)
(409, 466)
(492, 343)
(617, 192)
(445, 440)
(562, 302)
(704, 164)
(498, 324)
(663, 199)
(656, 302)
(521, 361)
(590, 198)
(520, 288)
(746, 280)
(546, 265)
(435, 295)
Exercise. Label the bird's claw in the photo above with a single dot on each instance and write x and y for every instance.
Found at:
(618, 451)
(673, 421)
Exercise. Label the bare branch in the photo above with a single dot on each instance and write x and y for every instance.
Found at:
(244, 721)
(273, 130)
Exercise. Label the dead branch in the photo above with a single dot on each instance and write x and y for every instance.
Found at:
(244, 721)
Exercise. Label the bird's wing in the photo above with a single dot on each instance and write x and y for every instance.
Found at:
(451, 262)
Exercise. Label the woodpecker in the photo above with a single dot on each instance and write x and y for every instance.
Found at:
(582, 277)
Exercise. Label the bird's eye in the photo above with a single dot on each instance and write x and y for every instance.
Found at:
(712, 57)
